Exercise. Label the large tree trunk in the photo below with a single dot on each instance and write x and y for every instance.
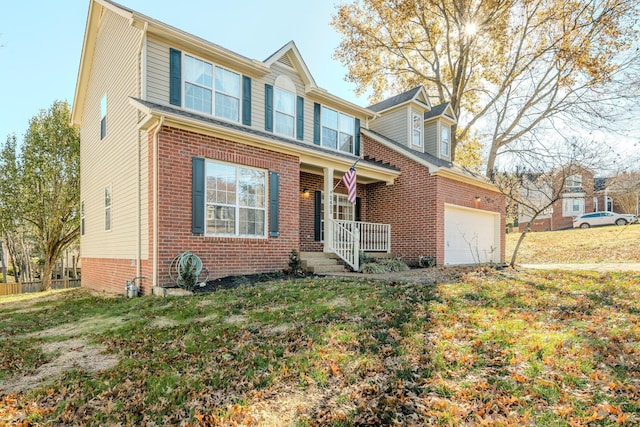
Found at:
(47, 269)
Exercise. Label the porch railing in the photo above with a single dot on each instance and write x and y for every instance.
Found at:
(352, 237)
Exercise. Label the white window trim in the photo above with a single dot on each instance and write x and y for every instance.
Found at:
(353, 136)
(103, 116)
(277, 89)
(412, 116)
(567, 206)
(237, 206)
(574, 178)
(82, 218)
(442, 153)
(183, 89)
(109, 208)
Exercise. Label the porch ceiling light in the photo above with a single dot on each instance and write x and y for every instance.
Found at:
(305, 193)
(477, 199)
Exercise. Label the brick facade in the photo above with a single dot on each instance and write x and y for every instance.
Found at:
(222, 256)
(111, 274)
(414, 205)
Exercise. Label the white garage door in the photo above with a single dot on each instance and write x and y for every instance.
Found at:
(471, 236)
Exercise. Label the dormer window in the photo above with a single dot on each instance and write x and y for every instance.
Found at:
(445, 140)
(416, 126)
(337, 130)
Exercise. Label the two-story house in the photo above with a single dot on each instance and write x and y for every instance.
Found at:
(570, 188)
(186, 145)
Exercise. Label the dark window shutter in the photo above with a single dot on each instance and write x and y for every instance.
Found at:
(268, 107)
(175, 77)
(274, 201)
(246, 100)
(197, 195)
(316, 123)
(317, 215)
(356, 145)
(300, 118)
(358, 209)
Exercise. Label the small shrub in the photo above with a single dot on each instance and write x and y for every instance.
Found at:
(373, 268)
(294, 262)
(394, 265)
(427, 261)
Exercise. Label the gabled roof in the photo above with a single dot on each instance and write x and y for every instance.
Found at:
(435, 165)
(291, 50)
(417, 94)
(441, 110)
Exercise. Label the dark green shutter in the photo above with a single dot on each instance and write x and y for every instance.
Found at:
(317, 215)
(300, 119)
(246, 100)
(316, 123)
(358, 209)
(175, 77)
(274, 201)
(268, 107)
(356, 144)
(197, 198)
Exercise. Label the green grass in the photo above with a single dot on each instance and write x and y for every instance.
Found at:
(592, 245)
(522, 348)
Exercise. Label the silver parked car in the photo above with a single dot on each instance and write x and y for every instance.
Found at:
(602, 218)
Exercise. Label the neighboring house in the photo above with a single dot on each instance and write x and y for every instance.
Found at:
(186, 145)
(576, 198)
(619, 194)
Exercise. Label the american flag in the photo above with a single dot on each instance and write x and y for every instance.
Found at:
(349, 180)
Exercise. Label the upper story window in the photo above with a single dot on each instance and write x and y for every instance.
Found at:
(200, 94)
(82, 218)
(445, 140)
(107, 208)
(574, 182)
(416, 127)
(103, 116)
(285, 111)
(337, 130)
(235, 200)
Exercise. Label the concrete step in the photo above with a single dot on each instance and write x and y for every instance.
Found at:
(321, 262)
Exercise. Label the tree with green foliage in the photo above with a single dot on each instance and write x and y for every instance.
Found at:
(45, 183)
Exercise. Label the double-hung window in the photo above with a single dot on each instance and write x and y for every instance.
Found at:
(200, 94)
(574, 182)
(416, 127)
(235, 200)
(285, 110)
(445, 140)
(338, 130)
(107, 208)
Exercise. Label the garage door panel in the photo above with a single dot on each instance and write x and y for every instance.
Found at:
(470, 236)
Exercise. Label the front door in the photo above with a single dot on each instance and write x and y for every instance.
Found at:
(343, 210)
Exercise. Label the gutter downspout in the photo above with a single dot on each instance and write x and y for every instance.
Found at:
(140, 95)
(156, 132)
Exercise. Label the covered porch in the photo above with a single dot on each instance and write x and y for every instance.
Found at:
(345, 229)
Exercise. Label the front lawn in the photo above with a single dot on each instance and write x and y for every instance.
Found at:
(497, 348)
(591, 245)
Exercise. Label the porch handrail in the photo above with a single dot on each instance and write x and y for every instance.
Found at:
(352, 237)
(346, 242)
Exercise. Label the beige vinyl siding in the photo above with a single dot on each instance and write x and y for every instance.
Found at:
(394, 125)
(157, 71)
(114, 160)
(431, 138)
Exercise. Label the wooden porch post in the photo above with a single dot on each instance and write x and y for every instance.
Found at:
(328, 209)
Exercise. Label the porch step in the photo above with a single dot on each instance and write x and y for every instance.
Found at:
(321, 262)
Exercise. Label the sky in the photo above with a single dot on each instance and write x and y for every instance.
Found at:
(42, 41)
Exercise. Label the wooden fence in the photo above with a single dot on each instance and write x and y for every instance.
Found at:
(36, 286)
